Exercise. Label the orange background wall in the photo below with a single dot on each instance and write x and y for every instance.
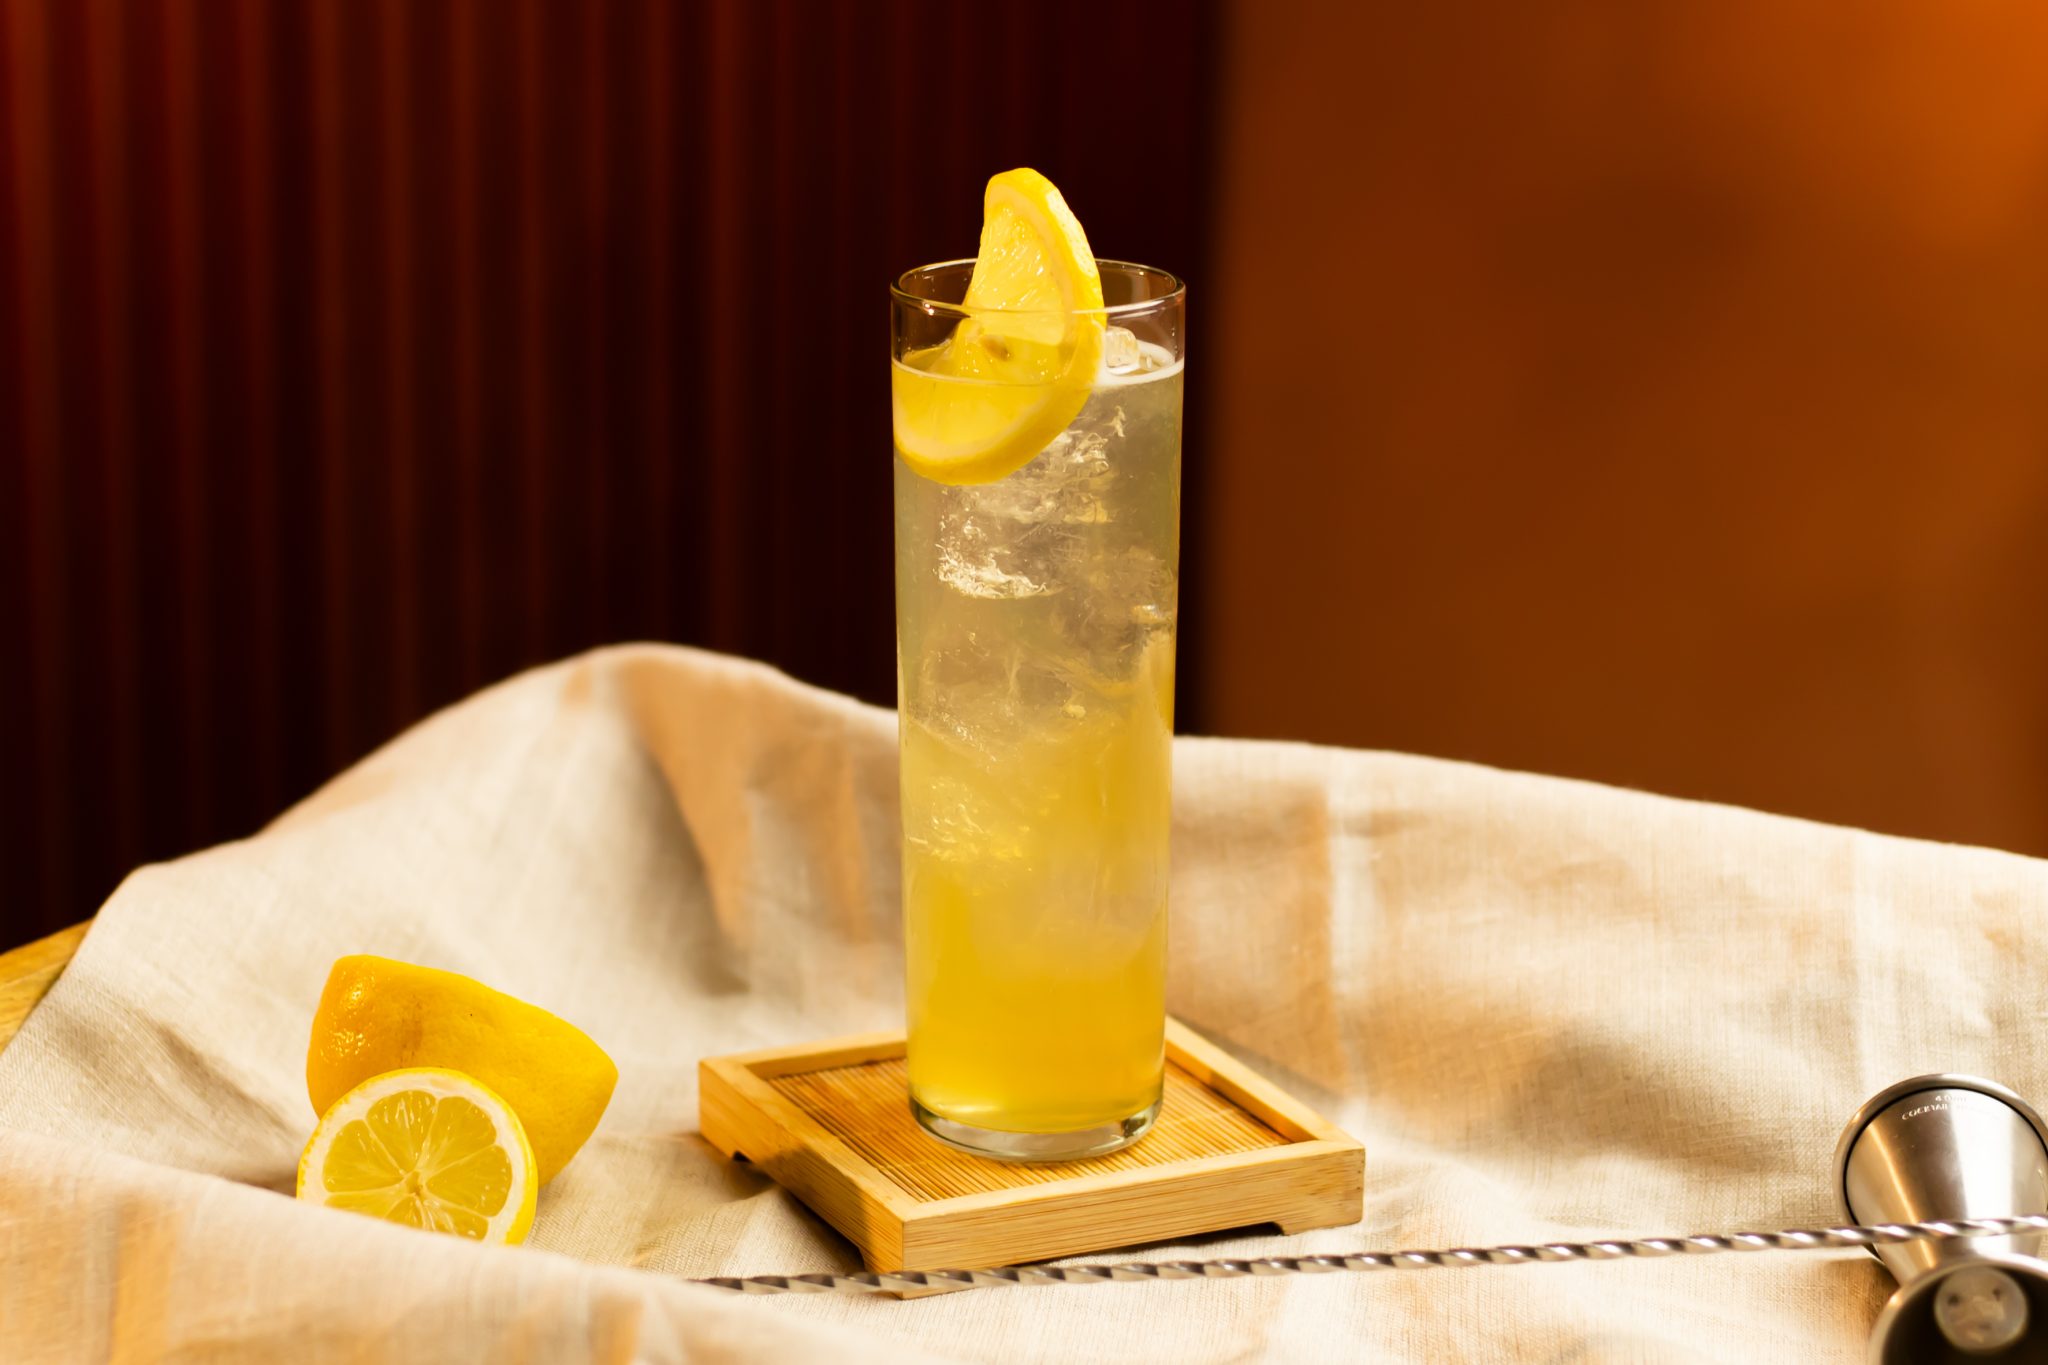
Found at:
(1649, 393)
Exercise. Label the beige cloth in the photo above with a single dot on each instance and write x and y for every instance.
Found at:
(1551, 1010)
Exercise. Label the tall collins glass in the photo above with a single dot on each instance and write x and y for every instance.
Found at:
(1035, 641)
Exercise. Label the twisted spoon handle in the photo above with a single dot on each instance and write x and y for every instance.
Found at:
(1807, 1239)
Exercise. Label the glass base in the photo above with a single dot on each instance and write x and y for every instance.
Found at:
(1001, 1145)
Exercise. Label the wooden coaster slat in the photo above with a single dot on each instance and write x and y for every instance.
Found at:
(831, 1123)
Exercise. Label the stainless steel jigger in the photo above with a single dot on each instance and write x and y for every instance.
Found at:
(1947, 1147)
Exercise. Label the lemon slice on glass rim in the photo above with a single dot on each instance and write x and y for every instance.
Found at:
(1020, 363)
(428, 1148)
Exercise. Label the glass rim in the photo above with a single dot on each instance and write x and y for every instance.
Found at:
(936, 307)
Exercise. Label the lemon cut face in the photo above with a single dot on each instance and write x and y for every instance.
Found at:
(1018, 368)
(427, 1148)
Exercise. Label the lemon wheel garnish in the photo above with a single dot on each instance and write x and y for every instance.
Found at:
(428, 1148)
(1018, 368)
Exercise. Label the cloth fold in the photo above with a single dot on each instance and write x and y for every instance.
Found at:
(1551, 1010)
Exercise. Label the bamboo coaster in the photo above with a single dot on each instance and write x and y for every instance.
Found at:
(830, 1122)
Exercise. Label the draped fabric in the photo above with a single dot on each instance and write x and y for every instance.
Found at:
(1552, 1011)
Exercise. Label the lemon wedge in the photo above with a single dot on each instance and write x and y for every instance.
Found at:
(377, 1015)
(1018, 367)
(429, 1148)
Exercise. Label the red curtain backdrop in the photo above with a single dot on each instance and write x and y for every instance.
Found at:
(355, 355)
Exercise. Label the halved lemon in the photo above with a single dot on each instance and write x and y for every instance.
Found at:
(429, 1148)
(377, 1015)
(1018, 367)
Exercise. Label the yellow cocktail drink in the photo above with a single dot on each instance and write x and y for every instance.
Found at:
(1035, 628)
(1038, 421)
